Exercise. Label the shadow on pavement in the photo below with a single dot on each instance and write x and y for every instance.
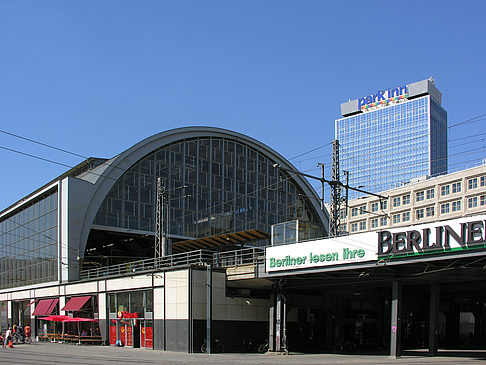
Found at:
(476, 354)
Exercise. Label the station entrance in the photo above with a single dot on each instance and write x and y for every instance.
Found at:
(383, 310)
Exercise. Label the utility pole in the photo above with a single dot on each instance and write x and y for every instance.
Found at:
(335, 200)
(161, 221)
(346, 173)
(322, 184)
(336, 187)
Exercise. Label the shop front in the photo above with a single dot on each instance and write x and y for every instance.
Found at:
(84, 308)
(44, 308)
(21, 313)
(131, 319)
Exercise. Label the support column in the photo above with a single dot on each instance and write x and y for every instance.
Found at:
(434, 318)
(10, 314)
(278, 324)
(103, 317)
(278, 319)
(271, 324)
(395, 345)
(62, 303)
(209, 308)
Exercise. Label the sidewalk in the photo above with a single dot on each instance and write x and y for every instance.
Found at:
(54, 353)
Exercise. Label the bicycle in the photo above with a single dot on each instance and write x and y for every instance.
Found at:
(16, 338)
(263, 348)
(345, 347)
(217, 346)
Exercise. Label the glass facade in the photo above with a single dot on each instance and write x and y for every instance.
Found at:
(385, 148)
(215, 185)
(28, 243)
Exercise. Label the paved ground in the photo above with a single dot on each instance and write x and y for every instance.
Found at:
(54, 353)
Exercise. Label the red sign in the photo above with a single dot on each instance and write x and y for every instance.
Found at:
(113, 334)
(127, 315)
(129, 336)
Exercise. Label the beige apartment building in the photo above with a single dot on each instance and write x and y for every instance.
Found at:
(424, 200)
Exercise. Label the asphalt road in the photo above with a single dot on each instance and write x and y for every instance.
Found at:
(55, 353)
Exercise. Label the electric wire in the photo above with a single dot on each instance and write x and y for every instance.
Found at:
(475, 119)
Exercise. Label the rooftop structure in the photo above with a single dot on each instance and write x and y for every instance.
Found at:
(392, 136)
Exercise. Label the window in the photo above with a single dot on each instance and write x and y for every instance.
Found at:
(362, 225)
(342, 214)
(354, 227)
(429, 211)
(430, 193)
(354, 212)
(384, 204)
(444, 208)
(482, 181)
(472, 202)
(406, 199)
(456, 187)
(374, 223)
(472, 183)
(383, 221)
(396, 218)
(406, 216)
(456, 206)
(362, 209)
(374, 207)
(420, 196)
(419, 213)
(396, 202)
(482, 200)
(445, 190)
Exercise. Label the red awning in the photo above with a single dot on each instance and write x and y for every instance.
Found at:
(45, 307)
(75, 303)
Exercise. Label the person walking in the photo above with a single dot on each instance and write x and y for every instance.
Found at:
(8, 337)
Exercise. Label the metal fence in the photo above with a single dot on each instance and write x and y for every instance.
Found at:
(199, 257)
(246, 256)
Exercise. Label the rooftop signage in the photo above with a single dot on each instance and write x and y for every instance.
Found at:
(456, 235)
(325, 252)
(383, 98)
(391, 96)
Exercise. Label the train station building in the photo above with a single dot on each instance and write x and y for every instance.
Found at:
(248, 259)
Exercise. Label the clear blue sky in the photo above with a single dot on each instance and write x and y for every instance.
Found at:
(95, 77)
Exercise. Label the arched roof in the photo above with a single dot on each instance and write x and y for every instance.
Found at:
(102, 178)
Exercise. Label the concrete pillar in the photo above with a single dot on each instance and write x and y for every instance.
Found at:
(103, 317)
(62, 303)
(9, 313)
(395, 345)
(434, 302)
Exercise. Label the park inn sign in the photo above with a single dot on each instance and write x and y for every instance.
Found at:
(457, 235)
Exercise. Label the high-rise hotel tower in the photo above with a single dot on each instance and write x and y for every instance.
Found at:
(392, 136)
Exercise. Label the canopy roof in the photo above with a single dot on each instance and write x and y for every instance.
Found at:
(45, 307)
(76, 303)
(221, 241)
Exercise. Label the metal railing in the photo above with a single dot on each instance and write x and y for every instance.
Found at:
(199, 257)
(246, 256)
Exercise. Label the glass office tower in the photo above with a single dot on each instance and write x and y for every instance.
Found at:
(393, 136)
